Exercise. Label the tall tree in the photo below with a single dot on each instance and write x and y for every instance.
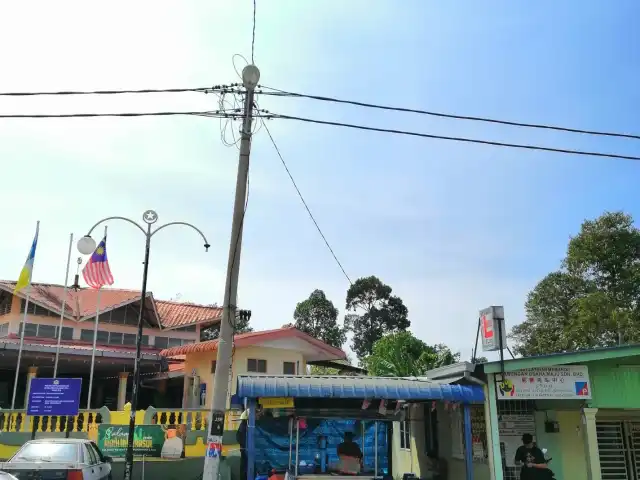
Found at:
(401, 354)
(318, 317)
(593, 300)
(241, 325)
(375, 313)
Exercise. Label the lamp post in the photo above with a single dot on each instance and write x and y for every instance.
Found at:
(86, 246)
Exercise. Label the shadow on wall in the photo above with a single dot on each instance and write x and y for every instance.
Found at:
(184, 469)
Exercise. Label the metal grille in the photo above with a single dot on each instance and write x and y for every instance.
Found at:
(634, 432)
(611, 447)
(513, 407)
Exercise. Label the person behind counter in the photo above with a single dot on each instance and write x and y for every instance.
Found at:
(349, 456)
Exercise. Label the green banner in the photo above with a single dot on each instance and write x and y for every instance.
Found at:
(148, 440)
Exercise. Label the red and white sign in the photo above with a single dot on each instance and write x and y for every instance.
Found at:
(492, 327)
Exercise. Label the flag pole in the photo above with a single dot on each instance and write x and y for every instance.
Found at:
(22, 328)
(93, 351)
(95, 338)
(24, 323)
(64, 304)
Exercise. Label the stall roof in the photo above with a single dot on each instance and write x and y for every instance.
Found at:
(388, 388)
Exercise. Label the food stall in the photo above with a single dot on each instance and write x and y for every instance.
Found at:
(305, 417)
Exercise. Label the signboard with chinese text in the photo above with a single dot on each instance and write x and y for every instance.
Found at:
(491, 325)
(569, 382)
(54, 396)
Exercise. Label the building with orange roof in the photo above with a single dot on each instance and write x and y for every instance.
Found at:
(282, 351)
(167, 324)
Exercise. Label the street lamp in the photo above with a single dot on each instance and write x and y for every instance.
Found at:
(86, 246)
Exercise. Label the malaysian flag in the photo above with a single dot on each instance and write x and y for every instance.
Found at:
(96, 272)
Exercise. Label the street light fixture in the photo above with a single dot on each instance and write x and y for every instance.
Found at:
(86, 246)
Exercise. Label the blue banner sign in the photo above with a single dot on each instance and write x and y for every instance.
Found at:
(54, 396)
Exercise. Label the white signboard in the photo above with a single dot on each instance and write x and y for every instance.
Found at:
(552, 383)
(511, 429)
(491, 326)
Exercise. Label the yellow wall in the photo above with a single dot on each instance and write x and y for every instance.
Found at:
(571, 438)
(415, 460)
(201, 364)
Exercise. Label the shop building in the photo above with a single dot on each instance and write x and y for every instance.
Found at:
(583, 407)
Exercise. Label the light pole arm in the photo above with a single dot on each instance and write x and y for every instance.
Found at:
(206, 243)
(117, 218)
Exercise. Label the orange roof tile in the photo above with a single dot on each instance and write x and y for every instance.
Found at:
(252, 338)
(83, 304)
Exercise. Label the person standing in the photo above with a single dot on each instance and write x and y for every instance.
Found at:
(531, 458)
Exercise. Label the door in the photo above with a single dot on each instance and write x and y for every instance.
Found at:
(619, 450)
(91, 470)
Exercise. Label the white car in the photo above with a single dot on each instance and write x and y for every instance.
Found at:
(58, 459)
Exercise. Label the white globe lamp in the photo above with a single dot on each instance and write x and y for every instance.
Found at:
(86, 245)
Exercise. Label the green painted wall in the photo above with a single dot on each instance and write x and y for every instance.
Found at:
(615, 383)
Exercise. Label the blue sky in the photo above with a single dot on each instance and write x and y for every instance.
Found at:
(451, 227)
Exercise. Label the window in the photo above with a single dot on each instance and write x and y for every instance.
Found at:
(102, 337)
(175, 342)
(162, 342)
(115, 338)
(289, 368)
(129, 339)
(256, 366)
(67, 333)
(45, 331)
(213, 366)
(89, 455)
(37, 310)
(189, 328)
(4, 330)
(145, 340)
(405, 435)
(54, 452)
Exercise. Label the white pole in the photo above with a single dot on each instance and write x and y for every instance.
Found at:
(290, 441)
(64, 304)
(93, 351)
(22, 327)
(297, 445)
(375, 448)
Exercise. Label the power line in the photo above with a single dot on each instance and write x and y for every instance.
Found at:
(214, 114)
(459, 139)
(295, 185)
(115, 92)
(284, 93)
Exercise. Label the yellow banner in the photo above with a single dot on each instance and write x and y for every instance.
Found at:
(276, 402)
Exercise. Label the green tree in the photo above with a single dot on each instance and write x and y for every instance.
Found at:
(375, 313)
(318, 317)
(401, 354)
(241, 325)
(593, 300)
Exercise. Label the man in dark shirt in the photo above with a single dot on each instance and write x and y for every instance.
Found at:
(349, 448)
(532, 460)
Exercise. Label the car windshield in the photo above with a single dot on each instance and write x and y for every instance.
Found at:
(47, 452)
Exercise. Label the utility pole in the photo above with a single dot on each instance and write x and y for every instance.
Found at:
(250, 78)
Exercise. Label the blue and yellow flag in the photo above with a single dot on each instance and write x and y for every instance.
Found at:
(25, 275)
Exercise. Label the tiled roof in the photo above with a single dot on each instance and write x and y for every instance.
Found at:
(175, 314)
(83, 304)
(253, 338)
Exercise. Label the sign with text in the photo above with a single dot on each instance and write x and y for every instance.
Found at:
(163, 441)
(569, 382)
(491, 326)
(276, 402)
(54, 396)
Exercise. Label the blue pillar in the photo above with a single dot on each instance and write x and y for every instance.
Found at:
(251, 444)
(468, 446)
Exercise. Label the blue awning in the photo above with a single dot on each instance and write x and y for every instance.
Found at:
(255, 386)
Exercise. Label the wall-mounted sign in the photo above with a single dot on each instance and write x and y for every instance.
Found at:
(569, 382)
(276, 402)
(491, 325)
(511, 429)
(54, 396)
